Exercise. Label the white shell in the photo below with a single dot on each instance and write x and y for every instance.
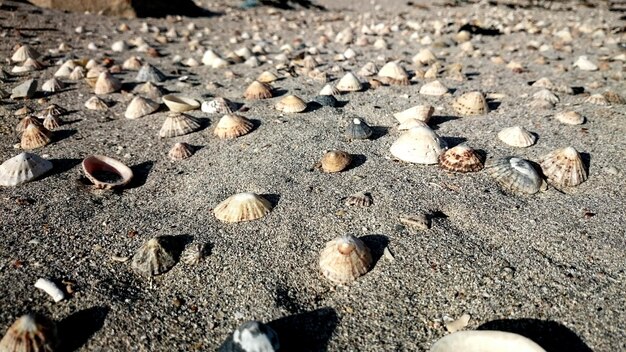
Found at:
(52, 85)
(546, 95)
(177, 124)
(419, 145)
(349, 83)
(517, 136)
(22, 168)
(485, 341)
(564, 168)
(424, 57)
(329, 90)
(434, 88)
(51, 289)
(583, 63)
(242, 207)
(418, 112)
(570, 117)
(180, 103)
(139, 107)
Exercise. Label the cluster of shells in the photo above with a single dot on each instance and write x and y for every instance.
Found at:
(331, 60)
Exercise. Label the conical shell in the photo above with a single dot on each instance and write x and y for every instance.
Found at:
(105, 172)
(52, 85)
(597, 99)
(419, 145)
(30, 333)
(177, 124)
(335, 161)
(424, 57)
(21, 126)
(218, 106)
(150, 90)
(77, 74)
(291, 104)
(564, 168)
(24, 53)
(252, 336)
(345, 259)
(516, 175)
(517, 136)
(107, 84)
(419, 112)
(133, 63)
(242, 207)
(154, 257)
(349, 83)
(180, 103)
(368, 70)
(180, 151)
(266, 77)
(139, 107)
(393, 73)
(257, 90)
(358, 129)
(485, 341)
(546, 95)
(95, 103)
(328, 89)
(471, 104)
(583, 63)
(35, 136)
(23, 168)
(360, 199)
(460, 159)
(232, 126)
(543, 82)
(149, 73)
(434, 88)
(52, 122)
(570, 117)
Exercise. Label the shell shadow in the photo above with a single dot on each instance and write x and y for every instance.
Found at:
(550, 335)
(454, 141)
(437, 120)
(175, 244)
(278, 92)
(63, 165)
(140, 174)
(376, 244)
(357, 160)
(493, 105)
(273, 198)
(312, 106)
(308, 331)
(284, 298)
(586, 158)
(378, 131)
(75, 330)
(59, 135)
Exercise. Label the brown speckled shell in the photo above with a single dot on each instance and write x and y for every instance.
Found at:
(460, 159)
(470, 104)
(564, 168)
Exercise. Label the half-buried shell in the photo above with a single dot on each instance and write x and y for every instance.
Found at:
(419, 112)
(105, 172)
(180, 151)
(257, 90)
(334, 161)
(393, 73)
(291, 104)
(139, 107)
(242, 207)
(517, 136)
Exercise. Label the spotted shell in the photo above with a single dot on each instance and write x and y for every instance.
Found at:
(471, 104)
(460, 159)
(564, 168)
(154, 257)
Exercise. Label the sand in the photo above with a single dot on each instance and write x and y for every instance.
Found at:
(549, 266)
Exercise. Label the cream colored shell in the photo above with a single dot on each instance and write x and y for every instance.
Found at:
(177, 124)
(470, 104)
(139, 107)
(517, 136)
(23, 168)
(419, 145)
(242, 207)
(345, 259)
(349, 83)
(232, 126)
(564, 168)
(485, 341)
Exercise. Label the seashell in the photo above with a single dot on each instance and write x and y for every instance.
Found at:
(460, 159)
(150, 90)
(105, 172)
(232, 126)
(30, 333)
(266, 77)
(25, 110)
(21, 126)
(360, 199)
(133, 63)
(516, 175)
(564, 168)
(52, 85)
(24, 52)
(541, 104)
(194, 254)
(208, 57)
(63, 71)
(119, 46)
(96, 71)
(419, 145)
(77, 74)
(613, 98)
(191, 62)
(139, 107)
(326, 100)
(517, 136)
(309, 62)
(485, 341)
(418, 112)
(329, 90)
(434, 88)
(179, 103)
(257, 90)
(570, 117)
(334, 161)
(345, 259)
(424, 57)
(177, 124)
(155, 257)
(219, 63)
(107, 84)
(95, 103)
(368, 70)
(393, 73)
(546, 95)
(149, 73)
(543, 82)
(51, 289)
(583, 63)
(597, 99)
(35, 136)
(180, 151)
(52, 110)
(252, 336)
(52, 122)
(358, 129)
(411, 123)
(25, 89)
(471, 104)
(33, 65)
(420, 221)
(23, 168)
(348, 83)
(291, 104)
(432, 71)
(218, 106)
(242, 207)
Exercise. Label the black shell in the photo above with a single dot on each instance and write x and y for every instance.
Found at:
(358, 129)
(326, 100)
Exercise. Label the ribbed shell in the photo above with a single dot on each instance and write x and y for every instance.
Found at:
(564, 168)
(177, 124)
(546, 95)
(180, 151)
(25, 122)
(139, 107)
(335, 161)
(149, 73)
(419, 145)
(345, 259)
(485, 341)
(358, 129)
(291, 104)
(267, 77)
(24, 53)
(515, 175)
(460, 159)
(517, 136)
(153, 258)
(232, 126)
(349, 83)
(328, 89)
(570, 117)
(107, 84)
(23, 168)
(419, 112)
(52, 85)
(35, 136)
(52, 122)
(360, 199)
(257, 90)
(95, 103)
(393, 73)
(434, 88)
(242, 207)
(470, 104)
(30, 333)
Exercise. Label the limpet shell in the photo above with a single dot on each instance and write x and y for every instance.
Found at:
(360, 199)
(358, 129)
(52, 85)
(411, 123)
(419, 145)
(106, 84)
(194, 254)
(257, 90)
(546, 95)
(180, 103)
(393, 73)
(218, 106)
(23, 168)
(597, 99)
(564, 168)
(328, 89)
(434, 88)
(30, 333)
(345, 259)
(180, 151)
(570, 117)
(252, 336)
(517, 136)
(242, 207)
(515, 175)
(267, 77)
(349, 83)
(35, 136)
(139, 107)
(154, 257)
(24, 52)
(471, 104)
(99, 169)
(419, 112)
(232, 126)
(95, 103)
(177, 124)
(326, 100)
(149, 73)
(291, 104)
(460, 159)
(485, 341)
(335, 161)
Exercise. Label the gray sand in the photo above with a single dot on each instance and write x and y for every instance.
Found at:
(531, 264)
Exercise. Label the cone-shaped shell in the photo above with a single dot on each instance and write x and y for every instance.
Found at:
(546, 95)
(232, 126)
(424, 57)
(154, 257)
(369, 69)
(139, 107)
(485, 341)
(107, 84)
(177, 124)
(52, 85)
(335, 161)
(326, 100)
(180, 151)
(30, 333)
(242, 207)
(105, 172)
(149, 73)
(291, 104)
(23, 168)
(516, 175)
(267, 77)
(150, 90)
(77, 74)
(345, 259)
(393, 73)
(570, 117)
(597, 99)
(349, 83)
(25, 89)
(328, 89)
(419, 145)
(583, 63)
(358, 129)
(52, 122)
(179, 103)
(218, 106)
(21, 126)
(35, 136)
(543, 82)
(460, 159)
(434, 88)
(470, 104)
(95, 103)
(252, 336)
(133, 63)
(419, 112)
(24, 53)
(564, 168)
(517, 136)
(257, 90)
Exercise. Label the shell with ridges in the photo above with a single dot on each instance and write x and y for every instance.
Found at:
(154, 257)
(180, 151)
(360, 199)
(257, 90)
(139, 107)
(570, 117)
(420, 145)
(291, 104)
(393, 73)
(349, 83)
(23, 168)
(232, 126)
(517, 136)
(345, 259)
(564, 168)
(266, 77)
(35, 136)
(95, 103)
(516, 175)
(418, 112)
(30, 333)
(471, 104)
(358, 129)
(460, 159)
(434, 88)
(242, 207)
